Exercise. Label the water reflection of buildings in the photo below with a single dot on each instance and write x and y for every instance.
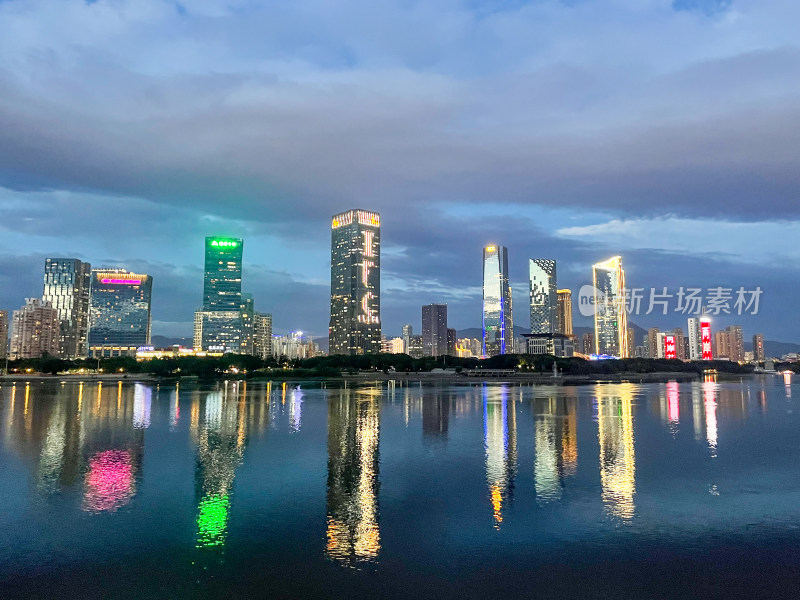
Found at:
(555, 431)
(219, 424)
(79, 435)
(436, 415)
(500, 439)
(353, 534)
(617, 457)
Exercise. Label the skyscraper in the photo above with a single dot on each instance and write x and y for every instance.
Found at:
(222, 284)
(67, 282)
(759, 354)
(653, 344)
(262, 335)
(564, 320)
(735, 343)
(610, 317)
(498, 324)
(3, 333)
(248, 312)
(434, 330)
(543, 295)
(355, 323)
(408, 331)
(35, 330)
(695, 339)
(120, 312)
(218, 326)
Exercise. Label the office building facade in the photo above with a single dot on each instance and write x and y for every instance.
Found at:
(564, 317)
(119, 314)
(218, 326)
(67, 285)
(498, 322)
(35, 330)
(434, 330)
(543, 293)
(355, 321)
(611, 316)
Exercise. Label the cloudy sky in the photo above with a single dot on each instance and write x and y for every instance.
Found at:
(667, 131)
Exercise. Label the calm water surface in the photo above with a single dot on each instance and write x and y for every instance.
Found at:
(284, 490)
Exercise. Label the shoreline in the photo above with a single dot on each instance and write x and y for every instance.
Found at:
(415, 377)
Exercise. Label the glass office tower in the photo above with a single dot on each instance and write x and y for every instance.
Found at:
(434, 330)
(218, 327)
(355, 324)
(611, 317)
(120, 312)
(67, 282)
(543, 295)
(498, 327)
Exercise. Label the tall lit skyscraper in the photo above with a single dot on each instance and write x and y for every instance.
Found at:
(67, 282)
(611, 317)
(119, 313)
(434, 330)
(355, 323)
(564, 320)
(498, 324)
(543, 295)
(218, 326)
(35, 330)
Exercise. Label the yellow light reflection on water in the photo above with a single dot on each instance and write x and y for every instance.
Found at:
(617, 456)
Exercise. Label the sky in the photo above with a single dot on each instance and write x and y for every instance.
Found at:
(665, 131)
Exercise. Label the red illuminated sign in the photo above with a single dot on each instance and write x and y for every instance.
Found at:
(669, 347)
(705, 339)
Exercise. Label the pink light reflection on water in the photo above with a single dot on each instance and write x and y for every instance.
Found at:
(109, 482)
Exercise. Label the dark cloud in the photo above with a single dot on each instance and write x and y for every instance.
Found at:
(129, 130)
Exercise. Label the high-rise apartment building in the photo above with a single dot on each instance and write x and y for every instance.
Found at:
(695, 339)
(722, 345)
(4, 333)
(119, 314)
(355, 323)
(498, 323)
(653, 344)
(543, 295)
(611, 316)
(680, 350)
(262, 335)
(35, 330)
(759, 353)
(248, 313)
(434, 330)
(631, 338)
(67, 283)
(587, 343)
(735, 343)
(218, 327)
(564, 315)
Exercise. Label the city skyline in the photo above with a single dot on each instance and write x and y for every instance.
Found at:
(642, 162)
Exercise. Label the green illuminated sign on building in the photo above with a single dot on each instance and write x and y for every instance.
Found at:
(224, 243)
